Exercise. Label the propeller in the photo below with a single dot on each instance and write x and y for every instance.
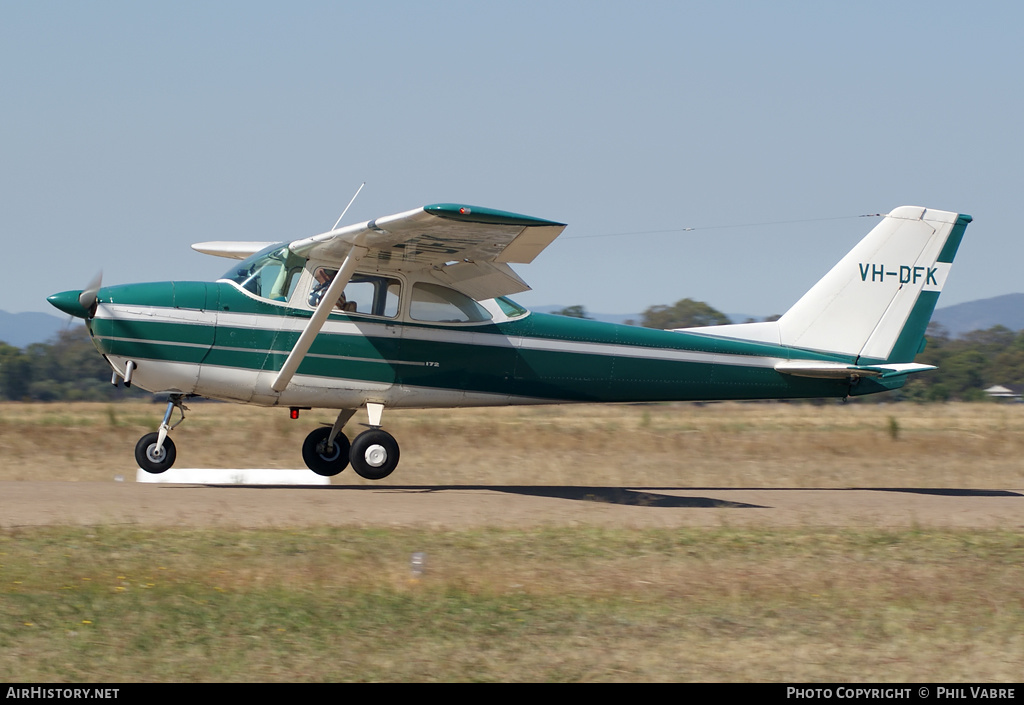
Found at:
(87, 299)
(81, 304)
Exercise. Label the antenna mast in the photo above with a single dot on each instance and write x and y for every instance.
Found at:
(349, 205)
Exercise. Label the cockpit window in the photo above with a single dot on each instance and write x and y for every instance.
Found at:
(439, 304)
(365, 293)
(271, 273)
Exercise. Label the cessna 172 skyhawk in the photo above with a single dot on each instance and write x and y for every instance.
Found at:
(410, 310)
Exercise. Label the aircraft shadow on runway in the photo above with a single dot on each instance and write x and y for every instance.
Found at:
(635, 497)
(602, 495)
(949, 492)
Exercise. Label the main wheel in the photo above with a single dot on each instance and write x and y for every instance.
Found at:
(319, 458)
(149, 458)
(374, 454)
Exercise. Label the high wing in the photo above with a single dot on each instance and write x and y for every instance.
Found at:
(467, 247)
(438, 233)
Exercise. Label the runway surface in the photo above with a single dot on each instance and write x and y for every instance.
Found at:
(24, 504)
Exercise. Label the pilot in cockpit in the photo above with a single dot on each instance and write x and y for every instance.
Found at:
(324, 277)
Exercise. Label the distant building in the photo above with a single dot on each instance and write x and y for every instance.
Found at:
(1012, 392)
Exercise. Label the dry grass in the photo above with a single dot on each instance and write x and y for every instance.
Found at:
(122, 604)
(683, 445)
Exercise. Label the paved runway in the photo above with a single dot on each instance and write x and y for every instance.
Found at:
(87, 503)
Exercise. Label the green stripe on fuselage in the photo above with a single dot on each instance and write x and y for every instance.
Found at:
(177, 341)
(539, 356)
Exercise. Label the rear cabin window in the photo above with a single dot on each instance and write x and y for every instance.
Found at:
(510, 308)
(439, 304)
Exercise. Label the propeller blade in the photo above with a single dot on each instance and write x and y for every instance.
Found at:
(87, 299)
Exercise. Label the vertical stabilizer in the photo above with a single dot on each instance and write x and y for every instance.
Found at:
(876, 303)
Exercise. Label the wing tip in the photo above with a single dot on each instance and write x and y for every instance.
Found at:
(479, 214)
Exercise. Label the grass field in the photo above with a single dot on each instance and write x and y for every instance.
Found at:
(122, 603)
(714, 445)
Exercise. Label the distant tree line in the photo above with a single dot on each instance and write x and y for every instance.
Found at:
(69, 368)
(66, 369)
(967, 364)
(686, 313)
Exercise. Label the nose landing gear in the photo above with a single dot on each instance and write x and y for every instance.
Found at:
(155, 452)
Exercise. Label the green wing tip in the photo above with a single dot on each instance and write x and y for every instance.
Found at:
(478, 214)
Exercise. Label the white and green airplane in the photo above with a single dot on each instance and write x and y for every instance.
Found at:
(411, 311)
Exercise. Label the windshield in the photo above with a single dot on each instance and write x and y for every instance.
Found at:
(271, 273)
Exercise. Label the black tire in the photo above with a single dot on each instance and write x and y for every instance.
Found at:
(374, 454)
(151, 461)
(315, 454)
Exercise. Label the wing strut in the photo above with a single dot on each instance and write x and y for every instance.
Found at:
(312, 328)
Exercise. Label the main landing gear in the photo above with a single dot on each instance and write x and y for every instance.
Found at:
(155, 452)
(327, 451)
(373, 454)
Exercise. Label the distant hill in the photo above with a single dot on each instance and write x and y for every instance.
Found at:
(1007, 310)
(23, 329)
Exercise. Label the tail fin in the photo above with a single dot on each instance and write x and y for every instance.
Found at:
(874, 306)
(876, 303)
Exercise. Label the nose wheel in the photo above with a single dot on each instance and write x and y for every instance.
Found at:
(154, 458)
(155, 452)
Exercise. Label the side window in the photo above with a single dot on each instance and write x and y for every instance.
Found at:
(439, 304)
(365, 293)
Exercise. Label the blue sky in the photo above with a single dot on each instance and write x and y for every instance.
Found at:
(131, 130)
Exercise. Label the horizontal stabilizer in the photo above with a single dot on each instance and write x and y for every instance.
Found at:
(841, 370)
